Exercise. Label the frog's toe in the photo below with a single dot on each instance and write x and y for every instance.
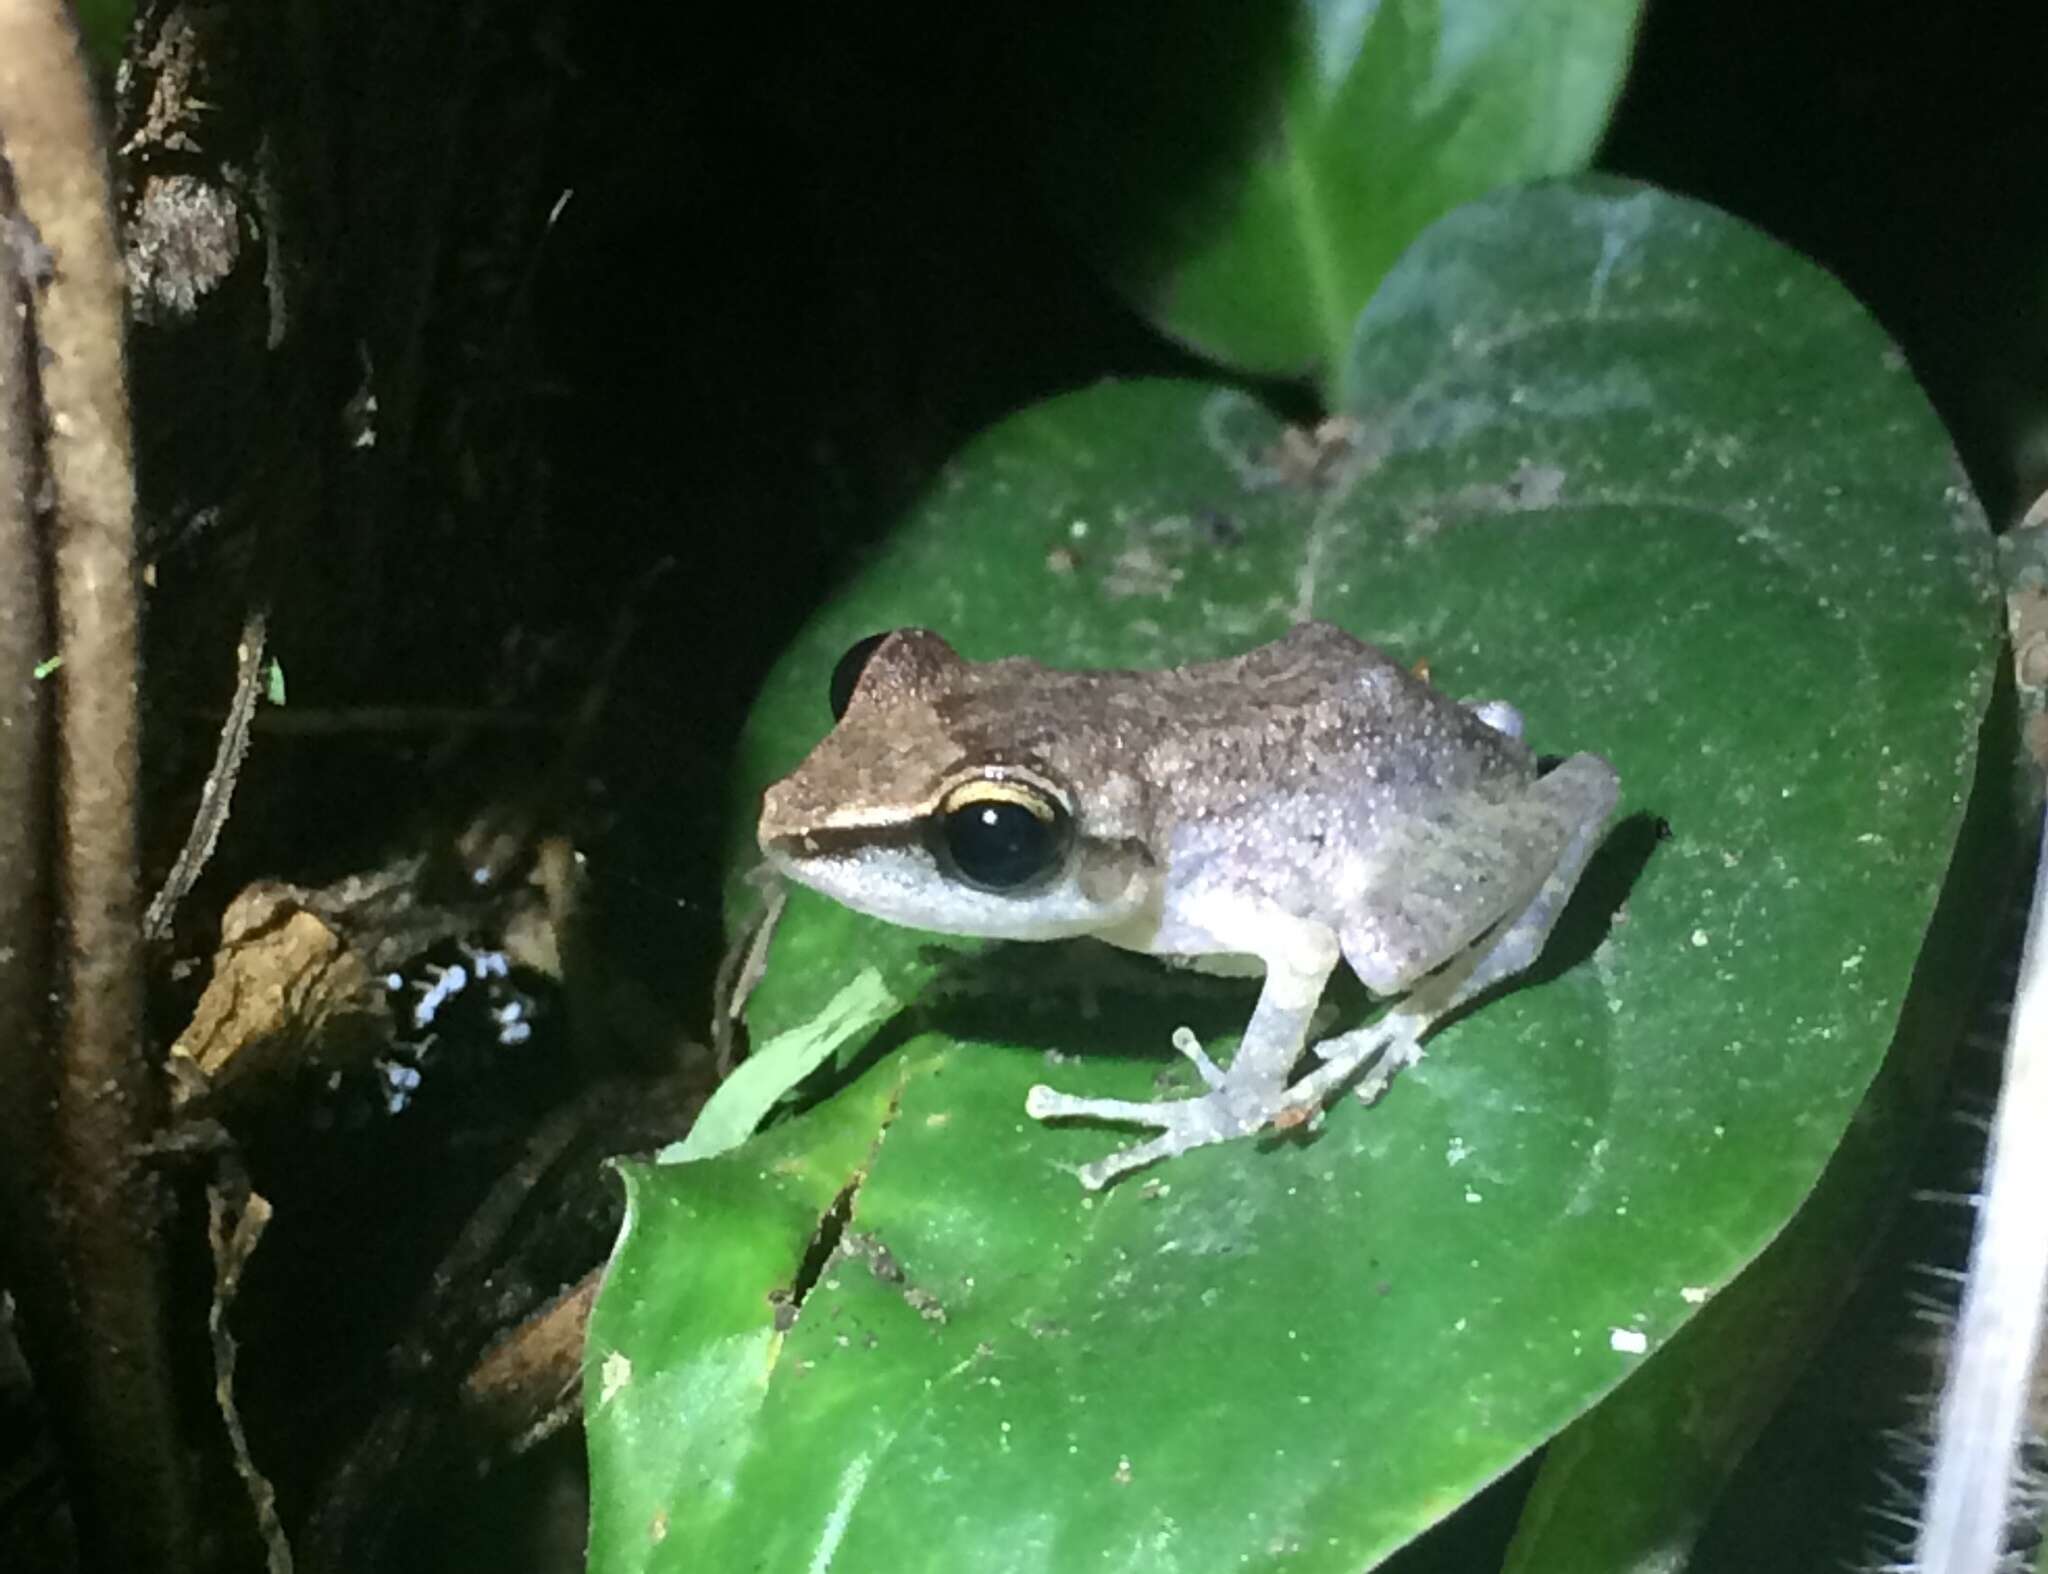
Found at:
(1185, 1041)
(1352, 1048)
(1396, 1041)
(1183, 1124)
(1044, 1103)
(1374, 1084)
(1136, 1157)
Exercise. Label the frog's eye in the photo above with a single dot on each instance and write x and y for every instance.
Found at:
(1002, 834)
(846, 676)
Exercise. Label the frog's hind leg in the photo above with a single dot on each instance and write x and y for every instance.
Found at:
(1580, 794)
(1588, 784)
(1445, 954)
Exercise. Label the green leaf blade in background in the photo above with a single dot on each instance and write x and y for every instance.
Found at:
(1246, 174)
(104, 24)
(1609, 457)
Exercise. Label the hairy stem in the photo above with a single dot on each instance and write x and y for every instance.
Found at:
(1983, 1404)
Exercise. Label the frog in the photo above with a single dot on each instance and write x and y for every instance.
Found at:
(1274, 813)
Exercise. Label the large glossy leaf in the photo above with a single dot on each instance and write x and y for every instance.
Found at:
(1632, 1485)
(1611, 456)
(1247, 173)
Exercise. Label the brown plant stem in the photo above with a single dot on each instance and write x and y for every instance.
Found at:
(26, 769)
(94, 1296)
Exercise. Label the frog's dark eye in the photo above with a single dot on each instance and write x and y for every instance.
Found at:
(1001, 834)
(846, 676)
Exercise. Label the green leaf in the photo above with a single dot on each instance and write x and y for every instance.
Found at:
(1631, 1485)
(1245, 174)
(103, 25)
(744, 1099)
(1611, 456)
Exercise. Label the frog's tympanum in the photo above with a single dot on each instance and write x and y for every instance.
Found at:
(1307, 800)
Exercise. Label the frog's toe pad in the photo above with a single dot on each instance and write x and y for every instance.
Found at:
(1185, 1041)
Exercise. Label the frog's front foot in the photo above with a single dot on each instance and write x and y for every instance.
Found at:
(1220, 1115)
(1182, 1124)
(1242, 1109)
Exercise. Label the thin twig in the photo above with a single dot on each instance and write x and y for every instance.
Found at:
(742, 967)
(583, 722)
(218, 790)
(303, 721)
(236, 1217)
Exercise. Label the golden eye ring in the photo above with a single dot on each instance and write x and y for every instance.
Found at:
(1002, 833)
